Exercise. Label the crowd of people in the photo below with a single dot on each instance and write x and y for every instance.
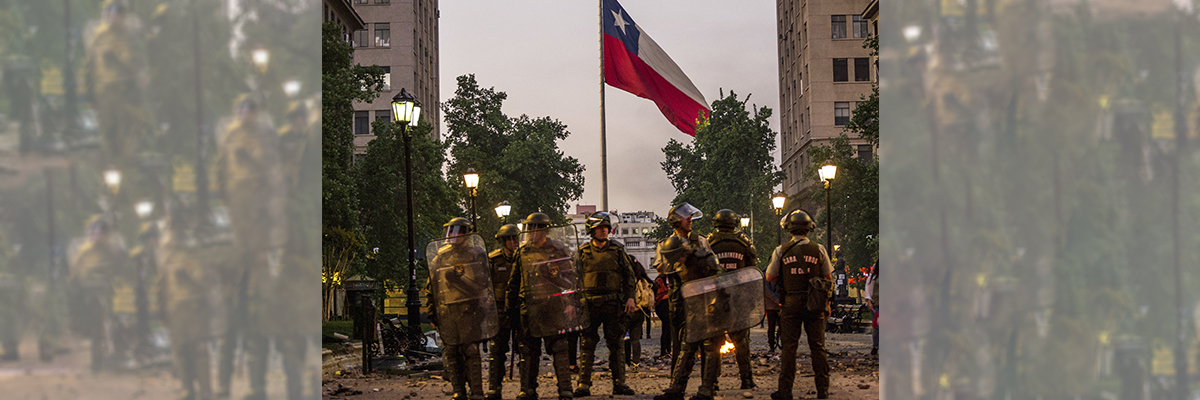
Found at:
(543, 294)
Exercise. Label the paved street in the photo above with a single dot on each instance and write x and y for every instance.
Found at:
(849, 360)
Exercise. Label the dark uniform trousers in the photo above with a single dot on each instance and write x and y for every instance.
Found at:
(531, 355)
(685, 361)
(463, 368)
(794, 316)
(609, 311)
(741, 353)
(499, 353)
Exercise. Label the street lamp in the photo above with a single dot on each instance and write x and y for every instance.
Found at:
(502, 210)
(827, 173)
(406, 111)
(144, 208)
(777, 203)
(260, 57)
(112, 179)
(291, 88)
(472, 180)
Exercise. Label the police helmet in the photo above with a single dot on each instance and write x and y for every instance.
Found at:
(598, 219)
(673, 249)
(683, 211)
(246, 100)
(798, 222)
(507, 231)
(726, 218)
(297, 109)
(457, 226)
(536, 221)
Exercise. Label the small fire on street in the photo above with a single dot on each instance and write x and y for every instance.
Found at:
(728, 347)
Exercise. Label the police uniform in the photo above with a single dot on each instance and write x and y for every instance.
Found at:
(608, 283)
(792, 264)
(183, 288)
(463, 363)
(531, 347)
(251, 182)
(734, 251)
(114, 81)
(502, 267)
(97, 265)
(700, 263)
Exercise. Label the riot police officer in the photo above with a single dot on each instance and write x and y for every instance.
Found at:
(98, 263)
(502, 262)
(183, 291)
(115, 81)
(802, 270)
(608, 290)
(686, 256)
(458, 276)
(544, 265)
(734, 251)
(688, 263)
(252, 187)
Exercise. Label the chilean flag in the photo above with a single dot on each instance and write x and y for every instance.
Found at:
(634, 63)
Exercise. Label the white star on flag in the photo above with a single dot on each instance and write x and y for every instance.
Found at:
(620, 23)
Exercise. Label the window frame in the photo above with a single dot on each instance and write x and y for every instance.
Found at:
(865, 64)
(836, 21)
(843, 69)
(841, 107)
(364, 118)
(386, 28)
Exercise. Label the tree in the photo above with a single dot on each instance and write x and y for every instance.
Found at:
(728, 165)
(381, 191)
(855, 193)
(518, 159)
(342, 83)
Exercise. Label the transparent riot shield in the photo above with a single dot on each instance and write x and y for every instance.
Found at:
(462, 285)
(722, 303)
(553, 301)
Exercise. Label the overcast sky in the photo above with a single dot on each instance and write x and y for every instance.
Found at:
(545, 55)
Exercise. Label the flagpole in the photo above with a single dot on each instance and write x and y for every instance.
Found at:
(603, 141)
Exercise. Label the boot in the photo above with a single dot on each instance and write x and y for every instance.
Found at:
(669, 396)
(748, 384)
(701, 396)
(622, 389)
(781, 396)
(584, 390)
(565, 395)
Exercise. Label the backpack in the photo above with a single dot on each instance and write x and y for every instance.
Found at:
(644, 297)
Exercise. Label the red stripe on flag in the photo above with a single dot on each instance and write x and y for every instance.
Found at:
(627, 72)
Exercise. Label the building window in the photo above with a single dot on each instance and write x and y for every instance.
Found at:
(360, 1)
(383, 1)
(383, 35)
(841, 112)
(387, 78)
(864, 152)
(362, 123)
(362, 38)
(860, 27)
(840, 71)
(839, 26)
(862, 69)
(383, 115)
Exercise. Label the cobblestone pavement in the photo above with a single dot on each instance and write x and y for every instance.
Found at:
(855, 375)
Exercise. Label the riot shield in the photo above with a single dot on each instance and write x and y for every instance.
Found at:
(553, 301)
(722, 303)
(462, 286)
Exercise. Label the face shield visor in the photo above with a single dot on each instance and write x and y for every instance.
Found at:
(457, 230)
(687, 211)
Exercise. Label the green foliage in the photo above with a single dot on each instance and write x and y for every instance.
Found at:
(381, 190)
(517, 158)
(854, 199)
(728, 165)
(342, 83)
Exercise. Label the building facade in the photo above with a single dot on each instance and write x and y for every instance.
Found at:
(824, 71)
(340, 12)
(400, 36)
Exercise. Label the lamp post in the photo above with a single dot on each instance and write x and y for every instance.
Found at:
(777, 203)
(828, 172)
(406, 111)
(472, 180)
(502, 211)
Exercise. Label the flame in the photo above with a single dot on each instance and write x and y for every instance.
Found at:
(728, 347)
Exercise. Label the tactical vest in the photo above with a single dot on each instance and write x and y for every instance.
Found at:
(502, 269)
(732, 249)
(798, 263)
(603, 269)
